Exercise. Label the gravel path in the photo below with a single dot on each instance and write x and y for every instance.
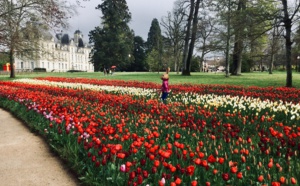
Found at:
(25, 159)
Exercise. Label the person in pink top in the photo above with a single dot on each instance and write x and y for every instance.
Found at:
(165, 85)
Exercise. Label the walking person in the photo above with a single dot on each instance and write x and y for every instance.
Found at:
(104, 71)
(165, 86)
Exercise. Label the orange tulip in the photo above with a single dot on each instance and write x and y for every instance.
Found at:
(260, 178)
(239, 175)
(293, 180)
(282, 179)
(178, 181)
(194, 183)
(234, 169)
(121, 155)
(156, 163)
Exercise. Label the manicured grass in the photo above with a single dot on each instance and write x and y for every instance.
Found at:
(261, 79)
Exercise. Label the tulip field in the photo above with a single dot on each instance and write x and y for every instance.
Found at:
(113, 132)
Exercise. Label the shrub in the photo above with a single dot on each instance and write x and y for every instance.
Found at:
(76, 71)
(39, 70)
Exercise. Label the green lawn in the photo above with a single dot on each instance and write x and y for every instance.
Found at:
(261, 79)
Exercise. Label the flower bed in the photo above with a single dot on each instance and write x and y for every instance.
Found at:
(117, 132)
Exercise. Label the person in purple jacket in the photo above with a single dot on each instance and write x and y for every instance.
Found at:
(165, 85)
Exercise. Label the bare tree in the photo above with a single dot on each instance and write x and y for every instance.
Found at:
(274, 44)
(205, 35)
(173, 30)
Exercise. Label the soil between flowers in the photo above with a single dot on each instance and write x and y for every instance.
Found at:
(25, 158)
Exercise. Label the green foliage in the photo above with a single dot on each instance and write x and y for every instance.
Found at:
(113, 43)
(297, 39)
(4, 58)
(247, 63)
(139, 54)
(249, 23)
(153, 60)
(195, 64)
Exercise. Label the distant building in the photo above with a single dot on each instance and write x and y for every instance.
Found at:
(213, 64)
(58, 53)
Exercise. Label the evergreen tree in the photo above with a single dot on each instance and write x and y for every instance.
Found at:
(113, 42)
(139, 55)
(154, 42)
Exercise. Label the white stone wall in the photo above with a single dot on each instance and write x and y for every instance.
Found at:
(57, 58)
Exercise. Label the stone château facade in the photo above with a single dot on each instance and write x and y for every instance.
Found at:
(58, 54)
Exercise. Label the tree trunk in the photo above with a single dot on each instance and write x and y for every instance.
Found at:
(238, 44)
(201, 62)
(228, 40)
(288, 46)
(193, 39)
(288, 43)
(272, 48)
(187, 38)
(11, 62)
(177, 56)
(271, 64)
(237, 56)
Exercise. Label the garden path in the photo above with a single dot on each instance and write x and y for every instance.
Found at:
(26, 160)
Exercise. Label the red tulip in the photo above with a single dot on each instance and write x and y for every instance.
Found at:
(194, 183)
(239, 175)
(282, 179)
(156, 163)
(132, 175)
(211, 159)
(142, 162)
(190, 170)
(270, 164)
(234, 169)
(178, 181)
(225, 176)
(215, 171)
(275, 183)
(260, 178)
(221, 160)
(153, 170)
(140, 179)
(121, 155)
(145, 174)
(293, 180)
(197, 161)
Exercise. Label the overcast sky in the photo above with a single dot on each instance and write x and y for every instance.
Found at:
(142, 14)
